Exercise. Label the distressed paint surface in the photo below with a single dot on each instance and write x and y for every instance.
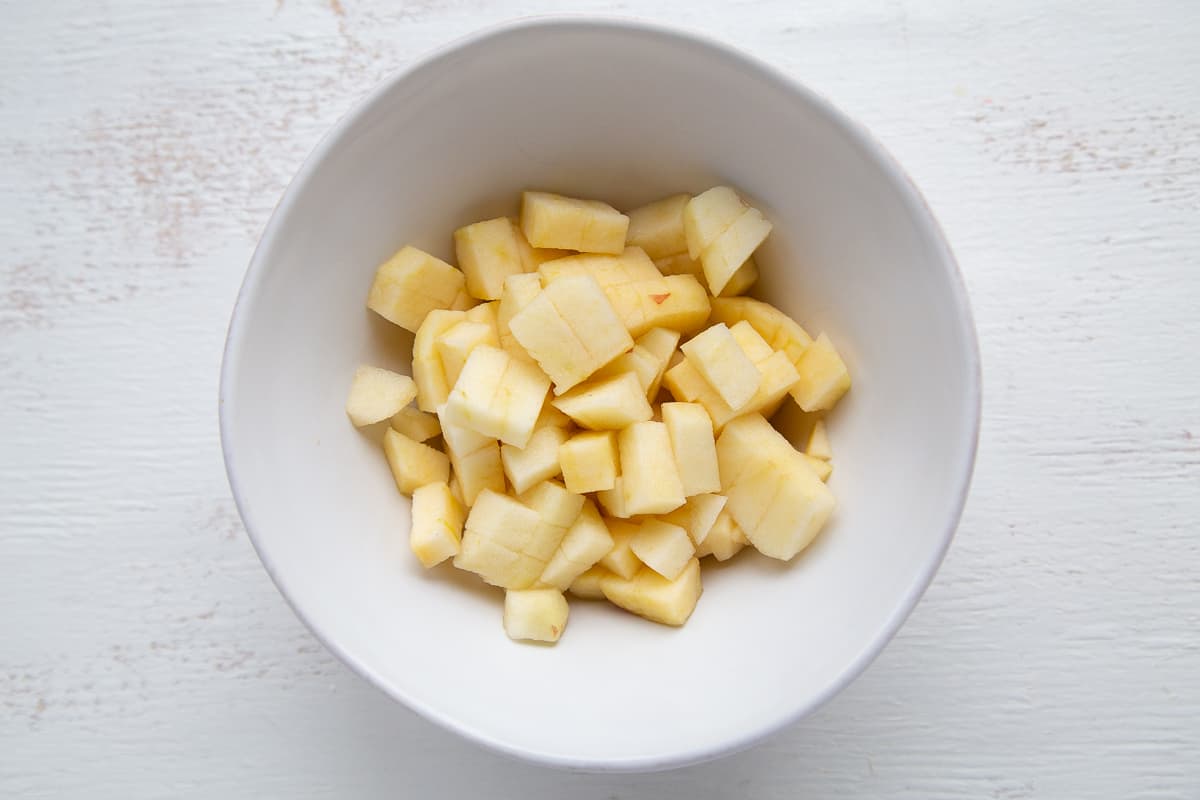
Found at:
(143, 650)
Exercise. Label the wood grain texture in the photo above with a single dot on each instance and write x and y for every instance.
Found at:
(144, 651)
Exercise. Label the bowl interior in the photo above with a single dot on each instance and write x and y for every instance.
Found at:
(625, 113)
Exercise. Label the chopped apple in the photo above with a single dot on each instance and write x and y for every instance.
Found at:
(741, 280)
(519, 291)
(685, 383)
(415, 424)
(751, 343)
(823, 376)
(587, 585)
(571, 330)
(535, 615)
(498, 396)
(724, 540)
(488, 252)
(708, 215)
(487, 314)
(537, 461)
(585, 543)
(818, 442)
(733, 248)
(657, 228)
(475, 459)
(698, 515)
(693, 446)
(414, 464)
(678, 302)
(589, 226)
(613, 500)
(437, 521)
(820, 467)
(663, 547)
(432, 386)
(455, 345)
(377, 394)
(630, 266)
(719, 358)
(680, 264)
(650, 480)
(557, 509)
(648, 359)
(608, 404)
(620, 559)
(412, 283)
(589, 461)
(652, 596)
(496, 533)
(778, 329)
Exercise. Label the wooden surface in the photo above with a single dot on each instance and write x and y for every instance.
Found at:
(145, 653)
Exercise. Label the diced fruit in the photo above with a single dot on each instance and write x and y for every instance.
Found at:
(685, 383)
(587, 541)
(519, 291)
(488, 252)
(589, 226)
(752, 344)
(657, 228)
(613, 500)
(437, 520)
(609, 404)
(536, 615)
(455, 345)
(680, 264)
(630, 266)
(733, 248)
(818, 442)
(708, 215)
(820, 467)
(415, 424)
(776, 499)
(648, 359)
(456, 490)
(557, 509)
(678, 302)
(571, 330)
(663, 547)
(620, 559)
(476, 460)
(725, 539)
(414, 464)
(432, 386)
(698, 515)
(487, 313)
(650, 480)
(652, 596)
(498, 396)
(778, 329)
(411, 284)
(741, 281)
(719, 358)
(537, 461)
(589, 461)
(377, 394)
(587, 585)
(693, 446)
(497, 532)
(823, 376)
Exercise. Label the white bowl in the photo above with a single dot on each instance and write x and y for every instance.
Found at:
(627, 112)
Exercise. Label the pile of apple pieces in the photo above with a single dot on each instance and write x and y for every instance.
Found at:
(601, 392)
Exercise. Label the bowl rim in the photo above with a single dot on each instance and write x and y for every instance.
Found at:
(870, 148)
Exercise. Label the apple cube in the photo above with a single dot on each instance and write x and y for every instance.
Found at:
(587, 585)
(571, 330)
(650, 480)
(652, 596)
(620, 559)
(724, 540)
(778, 329)
(414, 464)
(585, 543)
(751, 342)
(495, 536)
(663, 547)
(432, 385)
(437, 521)
(535, 615)
(475, 459)
(589, 461)
(519, 291)
(412, 283)
(678, 302)
(657, 228)
(820, 467)
(613, 500)
(589, 226)
(455, 345)
(693, 446)
(498, 396)
(377, 394)
(818, 442)
(823, 376)
(685, 383)
(609, 404)
(647, 360)
(719, 358)
(537, 461)
(708, 215)
(733, 248)
(741, 280)
(488, 252)
(557, 509)
(698, 515)
(415, 424)
(680, 264)
(773, 495)
(630, 266)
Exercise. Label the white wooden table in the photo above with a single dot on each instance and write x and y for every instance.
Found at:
(144, 652)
